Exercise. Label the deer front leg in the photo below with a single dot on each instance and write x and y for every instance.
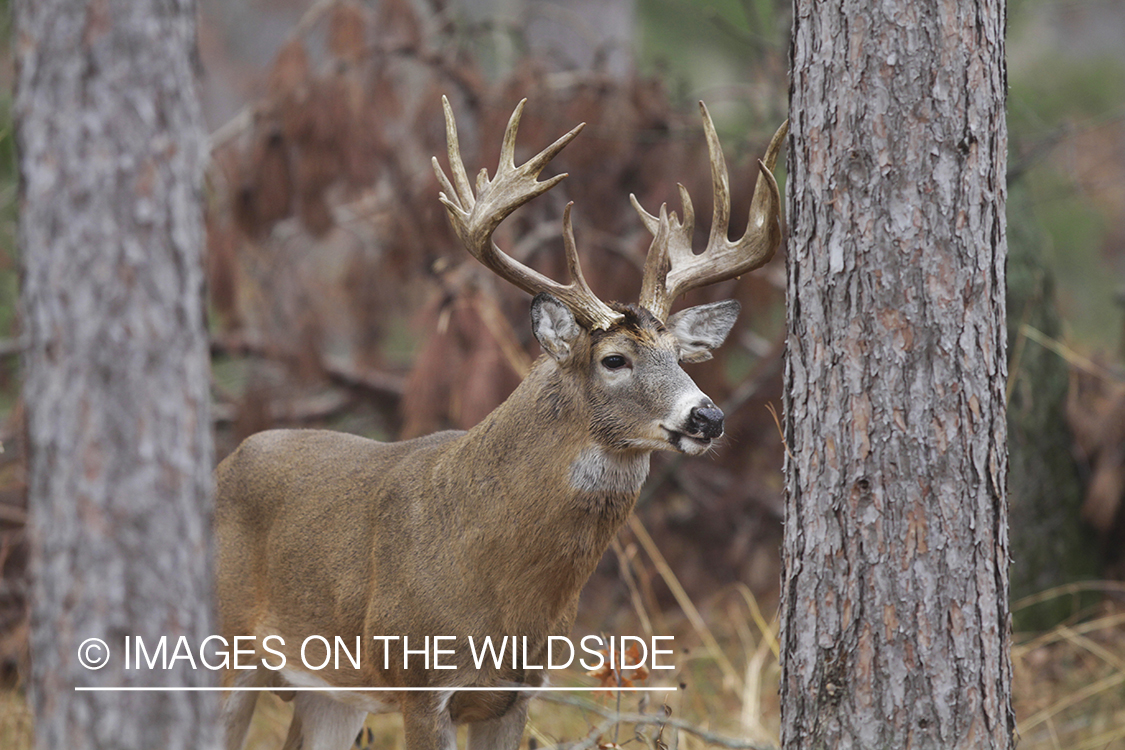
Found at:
(502, 733)
(427, 724)
(321, 723)
(238, 709)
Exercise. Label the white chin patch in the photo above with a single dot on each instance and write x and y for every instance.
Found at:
(689, 445)
(598, 470)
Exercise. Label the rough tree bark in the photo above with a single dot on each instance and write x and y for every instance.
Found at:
(116, 370)
(895, 587)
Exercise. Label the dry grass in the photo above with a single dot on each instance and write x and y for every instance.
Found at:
(1068, 689)
(1069, 683)
(15, 721)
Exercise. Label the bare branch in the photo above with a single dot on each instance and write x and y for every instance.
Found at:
(650, 720)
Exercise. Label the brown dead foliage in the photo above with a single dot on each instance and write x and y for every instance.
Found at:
(347, 32)
(461, 373)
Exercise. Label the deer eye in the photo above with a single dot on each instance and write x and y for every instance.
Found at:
(614, 362)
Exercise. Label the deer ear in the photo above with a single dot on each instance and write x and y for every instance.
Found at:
(702, 328)
(554, 326)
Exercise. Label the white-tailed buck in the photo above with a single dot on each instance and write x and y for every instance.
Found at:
(490, 532)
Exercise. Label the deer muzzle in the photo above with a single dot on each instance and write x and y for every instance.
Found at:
(705, 421)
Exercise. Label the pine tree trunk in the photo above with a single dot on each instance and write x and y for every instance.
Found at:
(895, 619)
(116, 368)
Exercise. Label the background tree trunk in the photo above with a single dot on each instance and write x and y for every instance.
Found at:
(1048, 539)
(895, 612)
(573, 34)
(116, 368)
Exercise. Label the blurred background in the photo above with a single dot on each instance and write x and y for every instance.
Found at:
(339, 298)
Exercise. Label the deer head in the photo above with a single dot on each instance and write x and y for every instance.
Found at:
(625, 355)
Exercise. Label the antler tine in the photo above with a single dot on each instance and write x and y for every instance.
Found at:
(508, 146)
(573, 267)
(720, 182)
(475, 217)
(672, 268)
(764, 207)
(456, 166)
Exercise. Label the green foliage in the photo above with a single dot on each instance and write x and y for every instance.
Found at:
(681, 36)
(1053, 91)
(730, 53)
(1063, 108)
(1052, 224)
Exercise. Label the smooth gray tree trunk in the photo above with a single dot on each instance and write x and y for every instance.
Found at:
(574, 34)
(116, 366)
(895, 620)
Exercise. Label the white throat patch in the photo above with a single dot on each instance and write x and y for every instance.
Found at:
(596, 470)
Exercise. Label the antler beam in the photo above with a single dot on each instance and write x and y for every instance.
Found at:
(475, 216)
(672, 267)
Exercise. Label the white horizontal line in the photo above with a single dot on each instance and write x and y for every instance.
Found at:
(371, 689)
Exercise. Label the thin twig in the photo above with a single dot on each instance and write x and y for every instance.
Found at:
(768, 634)
(339, 369)
(1072, 357)
(13, 514)
(590, 741)
(347, 373)
(11, 346)
(625, 565)
(656, 720)
(244, 118)
(780, 432)
(1067, 589)
(501, 331)
(1020, 650)
(698, 623)
(1101, 686)
(311, 409)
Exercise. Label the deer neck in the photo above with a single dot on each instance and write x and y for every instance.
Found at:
(543, 432)
(553, 488)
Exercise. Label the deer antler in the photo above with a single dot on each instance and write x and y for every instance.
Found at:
(475, 218)
(672, 268)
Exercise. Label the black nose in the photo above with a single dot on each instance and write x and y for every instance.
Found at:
(706, 421)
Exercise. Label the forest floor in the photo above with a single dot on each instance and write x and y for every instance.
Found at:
(1068, 693)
